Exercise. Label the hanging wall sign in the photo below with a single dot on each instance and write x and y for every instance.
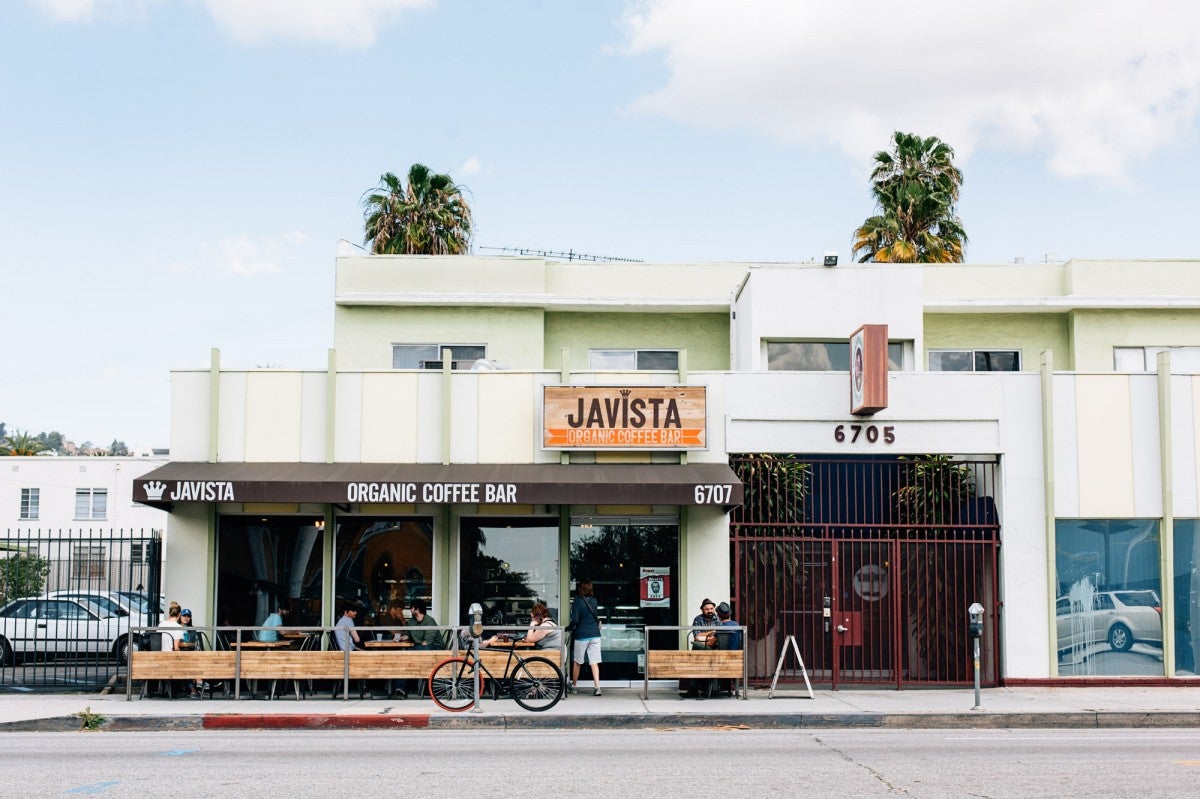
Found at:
(868, 370)
(655, 587)
(624, 417)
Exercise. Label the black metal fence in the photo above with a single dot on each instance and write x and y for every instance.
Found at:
(67, 601)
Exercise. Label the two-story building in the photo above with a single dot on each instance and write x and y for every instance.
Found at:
(494, 429)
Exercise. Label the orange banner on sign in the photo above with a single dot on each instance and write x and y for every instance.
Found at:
(572, 437)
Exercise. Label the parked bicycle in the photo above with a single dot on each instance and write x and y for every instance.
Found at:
(535, 683)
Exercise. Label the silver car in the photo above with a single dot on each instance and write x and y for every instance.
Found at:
(1118, 618)
(58, 625)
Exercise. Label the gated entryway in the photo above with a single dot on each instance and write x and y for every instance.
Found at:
(870, 563)
(68, 599)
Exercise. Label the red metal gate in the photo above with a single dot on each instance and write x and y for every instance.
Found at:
(870, 564)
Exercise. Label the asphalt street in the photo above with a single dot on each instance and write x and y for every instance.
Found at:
(721, 762)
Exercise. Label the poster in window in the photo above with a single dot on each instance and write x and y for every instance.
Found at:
(655, 586)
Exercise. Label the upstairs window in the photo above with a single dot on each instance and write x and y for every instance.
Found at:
(429, 356)
(822, 356)
(633, 360)
(91, 504)
(1145, 359)
(30, 499)
(974, 361)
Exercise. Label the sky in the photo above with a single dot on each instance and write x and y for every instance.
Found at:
(175, 175)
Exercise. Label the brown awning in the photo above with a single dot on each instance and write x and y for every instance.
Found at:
(490, 484)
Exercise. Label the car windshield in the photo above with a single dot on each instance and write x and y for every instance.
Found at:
(138, 602)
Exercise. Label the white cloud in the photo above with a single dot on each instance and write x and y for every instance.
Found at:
(348, 23)
(254, 255)
(1097, 83)
(472, 166)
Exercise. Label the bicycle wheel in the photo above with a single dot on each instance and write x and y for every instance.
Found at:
(452, 684)
(536, 684)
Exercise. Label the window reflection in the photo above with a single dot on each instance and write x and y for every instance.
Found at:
(508, 565)
(382, 564)
(263, 562)
(1108, 611)
(1187, 596)
(611, 554)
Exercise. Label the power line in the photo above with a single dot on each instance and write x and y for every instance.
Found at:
(569, 255)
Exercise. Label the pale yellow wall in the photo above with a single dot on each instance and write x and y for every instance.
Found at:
(1104, 442)
(945, 283)
(379, 277)
(704, 336)
(1096, 333)
(389, 417)
(506, 418)
(1133, 278)
(273, 416)
(363, 336)
(1032, 334)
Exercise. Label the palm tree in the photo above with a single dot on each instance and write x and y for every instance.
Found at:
(915, 186)
(18, 443)
(429, 216)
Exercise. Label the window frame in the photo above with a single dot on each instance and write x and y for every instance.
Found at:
(973, 353)
(424, 364)
(636, 354)
(30, 509)
(896, 347)
(90, 510)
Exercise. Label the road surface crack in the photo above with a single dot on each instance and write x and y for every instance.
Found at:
(877, 775)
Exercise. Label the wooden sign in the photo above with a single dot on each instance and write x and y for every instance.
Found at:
(868, 370)
(624, 417)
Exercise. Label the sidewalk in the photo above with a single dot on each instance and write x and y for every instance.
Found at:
(622, 706)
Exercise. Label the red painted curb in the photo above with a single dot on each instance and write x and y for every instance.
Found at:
(311, 721)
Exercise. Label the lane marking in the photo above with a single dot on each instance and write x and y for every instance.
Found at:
(95, 788)
(998, 739)
(178, 752)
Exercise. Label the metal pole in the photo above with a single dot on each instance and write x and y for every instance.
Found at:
(477, 708)
(977, 705)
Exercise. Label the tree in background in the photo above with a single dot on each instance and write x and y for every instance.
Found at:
(22, 575)
(429, 216)
(18, 443)
(118, 448)
(915, 186)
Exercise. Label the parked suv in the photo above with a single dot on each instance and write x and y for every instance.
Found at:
(1120, 618)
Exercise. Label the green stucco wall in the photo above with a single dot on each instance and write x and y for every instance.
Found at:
(1029, 333)
(1097, 332)
(364, 335)
(705, 336)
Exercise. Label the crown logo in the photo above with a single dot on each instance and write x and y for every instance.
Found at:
(625, 392)
(154, 490)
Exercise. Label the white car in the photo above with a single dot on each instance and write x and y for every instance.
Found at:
(1118, 618)
(111, 602)
(58, 625)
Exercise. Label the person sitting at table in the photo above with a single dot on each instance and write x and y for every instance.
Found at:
(344, 632)
(421, 639)
(171, 633)
(543, 633)
(272, 620)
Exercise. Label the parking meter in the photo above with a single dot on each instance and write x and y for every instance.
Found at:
(975, 625)
(476, 611)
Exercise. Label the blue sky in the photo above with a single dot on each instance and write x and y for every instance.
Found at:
(175, 174)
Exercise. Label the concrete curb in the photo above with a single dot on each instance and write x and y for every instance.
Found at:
(525, 721)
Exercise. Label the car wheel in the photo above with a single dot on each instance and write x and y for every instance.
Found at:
(6, 654)
(120, 650)
(1120, 638)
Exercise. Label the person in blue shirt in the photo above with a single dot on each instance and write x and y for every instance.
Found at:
(272, 620)
(585, 621)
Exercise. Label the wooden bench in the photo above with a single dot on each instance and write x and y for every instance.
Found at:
(695, 664)
(285, 664)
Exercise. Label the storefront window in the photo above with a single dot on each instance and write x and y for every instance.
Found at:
(1108, 612)
(1187, 596)
(262, 562)
(383, 565)
(634, 568)
(507, 565)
